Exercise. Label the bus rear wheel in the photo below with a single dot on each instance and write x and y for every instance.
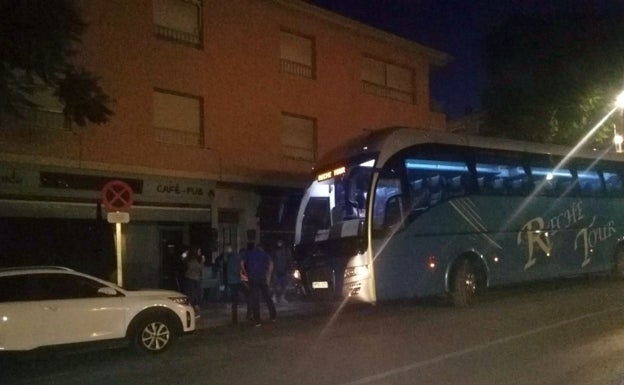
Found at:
(465, 284)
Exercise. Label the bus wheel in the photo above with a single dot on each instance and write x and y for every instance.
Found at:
(464, 284)
(618, 264)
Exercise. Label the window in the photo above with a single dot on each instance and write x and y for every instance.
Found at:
(432, 181)
(297, 55)
(501, 174)
(589, 183)
(387, 80)
(178, 118)
(388, 206)
(179, 20)
(16, 288)
(316, 217)
(552, 182)
(613, 183)
(298, 137)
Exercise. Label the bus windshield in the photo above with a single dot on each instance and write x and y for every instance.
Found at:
(341, 196)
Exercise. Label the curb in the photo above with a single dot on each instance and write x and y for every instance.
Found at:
(219, 314)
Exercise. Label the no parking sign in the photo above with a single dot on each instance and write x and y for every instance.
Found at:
(117, 195)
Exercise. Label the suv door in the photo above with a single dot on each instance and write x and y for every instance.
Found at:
(74, 311)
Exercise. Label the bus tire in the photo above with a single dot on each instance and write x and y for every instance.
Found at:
(465, 283)
(617, 272)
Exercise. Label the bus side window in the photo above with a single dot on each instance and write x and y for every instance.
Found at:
(419, 194)
(489, 185)
(589, 183)
(499, 177)
(613, 183)
(436, 188)
(553, 182)
(518, 186)
(394, 212)
(387, 189)
(456, 186)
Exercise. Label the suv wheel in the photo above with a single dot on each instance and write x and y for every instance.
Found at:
(153, 335)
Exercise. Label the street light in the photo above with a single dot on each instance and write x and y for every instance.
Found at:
(617, 138)
(619, 101)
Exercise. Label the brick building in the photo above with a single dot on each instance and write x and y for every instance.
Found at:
(221, 110)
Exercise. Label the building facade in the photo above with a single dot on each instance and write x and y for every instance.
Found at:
(221, 109)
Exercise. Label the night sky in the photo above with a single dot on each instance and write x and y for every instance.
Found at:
(456, 27)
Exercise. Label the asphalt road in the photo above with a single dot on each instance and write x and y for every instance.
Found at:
(568, 332)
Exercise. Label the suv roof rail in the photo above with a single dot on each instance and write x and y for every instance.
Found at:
(22, 268)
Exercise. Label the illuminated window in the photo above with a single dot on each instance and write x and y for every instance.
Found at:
(178, 118)
(297, 55)
(298, 138)
(179, 20)
(387, 80)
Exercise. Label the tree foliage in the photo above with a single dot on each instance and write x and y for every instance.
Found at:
(552, 78)
(37, 40)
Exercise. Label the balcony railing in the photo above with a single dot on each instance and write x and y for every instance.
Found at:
(175, 35)
(168, 135)
(387, 92)
(295, 68)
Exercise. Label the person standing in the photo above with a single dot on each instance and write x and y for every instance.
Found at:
(234, 280)
(222, 266)
(258, 267)
(194, 263)
(281, 260)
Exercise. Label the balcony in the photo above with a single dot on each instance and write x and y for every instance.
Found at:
(179, 36)
(294, 68)
(387, 92)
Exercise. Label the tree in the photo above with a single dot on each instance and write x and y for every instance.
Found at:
(37, 40)
(551, 78)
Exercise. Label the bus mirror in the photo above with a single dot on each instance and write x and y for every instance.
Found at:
(394, 211)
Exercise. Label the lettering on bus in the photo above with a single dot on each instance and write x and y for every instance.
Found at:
(591, 235)
(586, 238)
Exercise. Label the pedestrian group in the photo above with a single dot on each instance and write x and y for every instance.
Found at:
(251, 272)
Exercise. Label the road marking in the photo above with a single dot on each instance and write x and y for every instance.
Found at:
(443, 357)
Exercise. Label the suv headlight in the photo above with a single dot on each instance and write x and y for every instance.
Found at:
(180, 300)
(356, 271)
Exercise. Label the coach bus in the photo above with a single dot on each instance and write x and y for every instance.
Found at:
(406, 212)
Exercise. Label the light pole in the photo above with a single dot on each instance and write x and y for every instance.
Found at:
(618, 138)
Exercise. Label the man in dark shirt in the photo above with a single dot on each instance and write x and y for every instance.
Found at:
(258, 268)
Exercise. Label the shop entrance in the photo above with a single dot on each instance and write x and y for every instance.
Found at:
(172, 267)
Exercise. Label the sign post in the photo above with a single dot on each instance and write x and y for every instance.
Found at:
(117, 197)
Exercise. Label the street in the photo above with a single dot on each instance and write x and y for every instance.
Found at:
(564, 332)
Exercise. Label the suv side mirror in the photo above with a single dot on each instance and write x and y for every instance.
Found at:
(106, 291)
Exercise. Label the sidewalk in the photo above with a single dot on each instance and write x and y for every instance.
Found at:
(214, 314)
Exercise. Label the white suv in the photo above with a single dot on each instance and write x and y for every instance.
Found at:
(47, 306)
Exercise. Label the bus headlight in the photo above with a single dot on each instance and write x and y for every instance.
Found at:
(356, 271)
